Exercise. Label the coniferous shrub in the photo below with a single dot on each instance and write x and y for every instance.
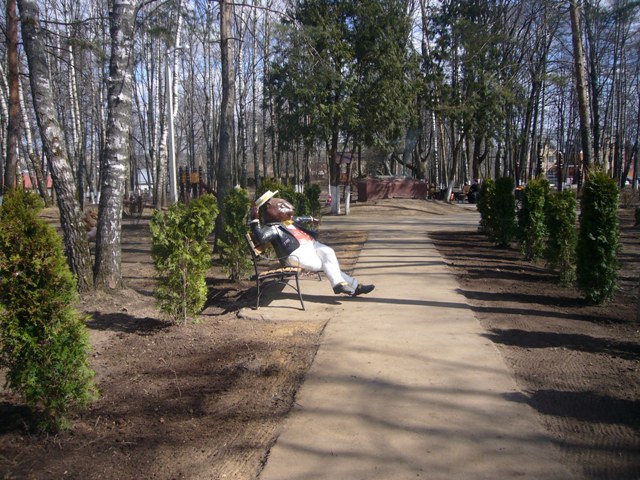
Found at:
(485, 206)
(299, 200)
(233, 250)
(181, 255)
(284, 191)
(560, 252)
(532, 229)
(43, 337)
(503, 227)
(312, 192)
(301, 204)
(598, 238)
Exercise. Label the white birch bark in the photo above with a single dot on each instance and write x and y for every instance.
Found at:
(163, 148)
(108, 273)
(254, 94)
(33, 156)
(73, 106)
(242, 101)
(4, 114)
(75, 239)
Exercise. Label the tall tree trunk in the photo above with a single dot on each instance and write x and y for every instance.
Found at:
(254, 94)
(108, 273)
(594, 72)
(75, 238)
(242, 103)
(4, 114)
(334, 173)
(267, 104)
(581, 83)
(31, 152)
(226, 120)
(13, 130)
(166, 149)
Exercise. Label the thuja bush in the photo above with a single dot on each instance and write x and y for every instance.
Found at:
(233, 250)
(284, 191)
(302, 204)
(503, 224)
(485, 205)
(299, 200)
(43, 337)
(532, 229)
(181, 256)
(560, 251)
(312, 192)
(598, 238)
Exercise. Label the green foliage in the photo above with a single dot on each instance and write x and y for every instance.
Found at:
(284, 191)
(233, 252)
(503, 226)
(485, 206)
(598, 239)
(181, 255)
(532, 229)
(43, 338)
(344, 65)
(299, 201)
(560, 252)
(312, 192)
(301, 204)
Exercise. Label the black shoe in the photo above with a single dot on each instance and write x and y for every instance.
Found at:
(345, 288)
(362, 289)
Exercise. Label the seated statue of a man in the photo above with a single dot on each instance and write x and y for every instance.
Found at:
(297, 244)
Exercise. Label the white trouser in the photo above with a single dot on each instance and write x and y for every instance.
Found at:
(315, 257)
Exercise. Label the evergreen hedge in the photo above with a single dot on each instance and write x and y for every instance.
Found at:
(312, 192)
(598, 239)
(486, 200)
(181, 255)
(560, 251)
(503, 224)
(302, 201)
(233, 249)
(43, 337)
(532, 229)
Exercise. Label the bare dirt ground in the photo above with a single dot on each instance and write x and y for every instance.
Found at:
(579, 364)
(206, 400)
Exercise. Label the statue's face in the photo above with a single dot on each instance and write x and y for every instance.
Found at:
(278, 210)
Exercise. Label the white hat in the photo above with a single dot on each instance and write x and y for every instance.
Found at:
(265, 197)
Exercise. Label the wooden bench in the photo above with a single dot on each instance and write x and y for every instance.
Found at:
(271, 271)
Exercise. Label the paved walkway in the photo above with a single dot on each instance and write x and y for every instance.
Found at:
(405, 385)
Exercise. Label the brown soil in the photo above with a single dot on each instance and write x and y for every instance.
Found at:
(206, 400)
(578, 364)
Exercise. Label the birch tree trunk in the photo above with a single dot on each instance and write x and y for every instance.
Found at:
(75, 238)
(165, 150)
(13, 129)
(4, 114)
(254, 95)
(33, 156)
(108, 273)
(242, 103)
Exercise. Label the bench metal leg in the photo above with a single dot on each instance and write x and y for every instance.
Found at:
(299, 292)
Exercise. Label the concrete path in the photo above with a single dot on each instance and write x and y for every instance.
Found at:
(405, 385)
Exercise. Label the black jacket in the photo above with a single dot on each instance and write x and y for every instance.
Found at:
(283, 241)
